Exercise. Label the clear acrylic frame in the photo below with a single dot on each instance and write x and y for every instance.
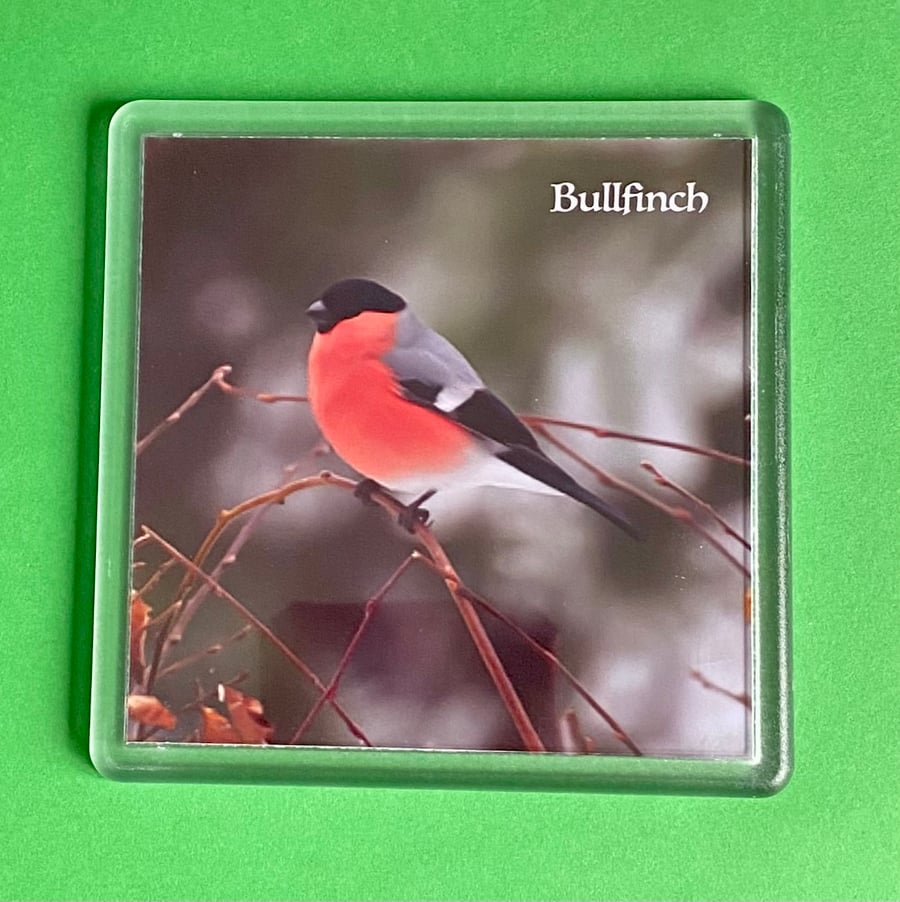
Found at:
(767, 765)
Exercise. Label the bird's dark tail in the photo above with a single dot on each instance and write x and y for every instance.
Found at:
(538, 466)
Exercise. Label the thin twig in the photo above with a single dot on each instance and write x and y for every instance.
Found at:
(554, 661)
(740, 697)
(581, 743)
(250, 617)
(202, 697)
(679, 514)
(265, 397)
(530, 738)
(273, 496)
(192, 604)
(570, 677)
(219, 379)
(498, 675)
(213, 649)
(510, 698)
(216, 378)
(368, 612)
(156, 576)
(160, 618)
(534, 421)
(666, 482)
(531, 419)
(166, 620)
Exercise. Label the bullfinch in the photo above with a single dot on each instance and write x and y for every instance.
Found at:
(403, 407)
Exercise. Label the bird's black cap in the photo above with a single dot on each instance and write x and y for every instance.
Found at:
(349, 298)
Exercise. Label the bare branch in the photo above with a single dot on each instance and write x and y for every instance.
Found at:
(668, 483)
(740, 697)
(519, 716)
(250, 617)
(192, 604)
(219, 379)
(176, 618)
(554, 661)
(579, 741)
(534, 421)
(213, 649)
(679, 514)
(218, 375)
(368, 613)
(156, 576)
(265, 397)
(498, 675)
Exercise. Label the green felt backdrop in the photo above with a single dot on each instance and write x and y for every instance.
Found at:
(834, 832)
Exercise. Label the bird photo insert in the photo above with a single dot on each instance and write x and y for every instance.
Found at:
(445, 443)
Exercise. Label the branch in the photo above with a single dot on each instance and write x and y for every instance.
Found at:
(668, 483)
(676, 513)
(191, 605)
(182, 609)
(250, 617)
(265, 397)
(580, 742)
(536, 421)
(530, 738)
(511, 700)
(213, 649)
(570, 677)
(740, 697)
(156, 576)
(554, 661)
(226, 516)
(217, 377)
(368, 613)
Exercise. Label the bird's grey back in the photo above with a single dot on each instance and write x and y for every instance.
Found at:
(422, 355)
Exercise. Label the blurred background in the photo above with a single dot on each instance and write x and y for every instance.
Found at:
(635, 323)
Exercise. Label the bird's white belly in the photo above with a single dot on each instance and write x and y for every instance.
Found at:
(481, 469)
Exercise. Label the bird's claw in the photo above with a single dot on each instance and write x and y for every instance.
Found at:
(412, 516)
(409, 517)
(365, 489)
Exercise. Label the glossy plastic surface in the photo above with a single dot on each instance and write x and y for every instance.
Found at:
(768, 767)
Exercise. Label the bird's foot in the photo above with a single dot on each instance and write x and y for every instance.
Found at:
(365, 489)
(414, 514)
(410, 516)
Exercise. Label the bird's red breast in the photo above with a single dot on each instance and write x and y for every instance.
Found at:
(362, 413)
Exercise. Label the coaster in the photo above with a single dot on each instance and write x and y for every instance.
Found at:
(445, 444)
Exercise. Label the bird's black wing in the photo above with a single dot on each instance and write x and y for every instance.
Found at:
(485, 414)
(488, 417)
(432, 373)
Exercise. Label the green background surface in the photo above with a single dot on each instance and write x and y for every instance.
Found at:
(834, 832)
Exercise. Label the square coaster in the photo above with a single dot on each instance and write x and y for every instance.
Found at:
(445, 444)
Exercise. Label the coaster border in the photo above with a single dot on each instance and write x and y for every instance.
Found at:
(768, 768)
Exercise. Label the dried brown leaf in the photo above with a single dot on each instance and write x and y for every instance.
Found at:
(140, 617)
(216, 727)
(246, 715)
(150, 711)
